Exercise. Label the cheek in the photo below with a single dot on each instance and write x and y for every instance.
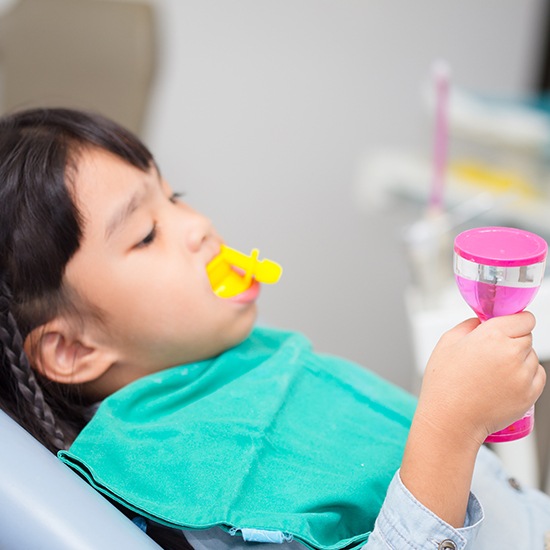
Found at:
(169, 297)
(150, 284)
(136, 293)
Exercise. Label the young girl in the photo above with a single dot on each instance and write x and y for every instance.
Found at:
(105, 299)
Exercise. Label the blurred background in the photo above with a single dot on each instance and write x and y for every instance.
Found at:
(305, 128)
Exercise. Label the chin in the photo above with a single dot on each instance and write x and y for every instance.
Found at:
(243, 329)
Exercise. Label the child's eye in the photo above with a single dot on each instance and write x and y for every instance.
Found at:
(149, 238)
(174, 197)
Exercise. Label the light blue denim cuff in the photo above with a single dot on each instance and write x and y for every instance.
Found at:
(405, 523)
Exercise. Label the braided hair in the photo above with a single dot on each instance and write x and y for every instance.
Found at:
(40, 231)
(22, 396)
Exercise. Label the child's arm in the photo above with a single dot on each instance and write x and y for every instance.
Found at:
(480, 378)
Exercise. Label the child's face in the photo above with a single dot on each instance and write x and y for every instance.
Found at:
(142, 262)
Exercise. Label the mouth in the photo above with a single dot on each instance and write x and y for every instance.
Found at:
(247, 296)
(237, 276)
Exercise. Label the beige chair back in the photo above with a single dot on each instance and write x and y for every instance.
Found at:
(91, 54)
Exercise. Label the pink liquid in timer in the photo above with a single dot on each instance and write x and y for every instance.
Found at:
(488, 300)
(520, 428)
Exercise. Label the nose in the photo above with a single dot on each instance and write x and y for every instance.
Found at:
(199, 230)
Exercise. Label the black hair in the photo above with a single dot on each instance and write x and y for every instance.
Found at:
(40, 230)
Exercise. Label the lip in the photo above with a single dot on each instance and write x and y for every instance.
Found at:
(249, 295)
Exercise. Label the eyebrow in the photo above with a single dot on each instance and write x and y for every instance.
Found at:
(121, 215)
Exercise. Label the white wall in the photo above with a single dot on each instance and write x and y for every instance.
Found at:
(263, 109)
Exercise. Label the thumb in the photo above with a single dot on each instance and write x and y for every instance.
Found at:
(463, 329)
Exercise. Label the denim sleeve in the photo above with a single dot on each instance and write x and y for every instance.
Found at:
(405, 523)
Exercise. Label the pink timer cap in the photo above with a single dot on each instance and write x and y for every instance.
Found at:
(501, 246)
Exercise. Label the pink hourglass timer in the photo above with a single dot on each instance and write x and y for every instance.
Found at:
(498, 271)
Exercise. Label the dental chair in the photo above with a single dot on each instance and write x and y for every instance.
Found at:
(98, 55)
(91, 54)
(46, 506)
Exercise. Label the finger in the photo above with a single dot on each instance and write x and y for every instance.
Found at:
(525, 343)
(464, 328)
(532, 360)
(517, 325)
(539, 381)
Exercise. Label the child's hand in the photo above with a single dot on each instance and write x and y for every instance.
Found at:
(481, 377)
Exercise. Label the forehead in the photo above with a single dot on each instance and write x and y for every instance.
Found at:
(104, 183)
(100, 177)
(97, 169)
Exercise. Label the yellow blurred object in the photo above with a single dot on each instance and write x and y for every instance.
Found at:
(227, 281)
(496, 181)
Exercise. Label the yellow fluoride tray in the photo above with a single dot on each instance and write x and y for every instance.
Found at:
(231, 272)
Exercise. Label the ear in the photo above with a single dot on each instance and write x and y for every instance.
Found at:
(64, 354)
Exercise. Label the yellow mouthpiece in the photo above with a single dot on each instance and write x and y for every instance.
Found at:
(231, 272)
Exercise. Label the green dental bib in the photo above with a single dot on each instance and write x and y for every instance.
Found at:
(268, 436)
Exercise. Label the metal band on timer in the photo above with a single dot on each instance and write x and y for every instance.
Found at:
(525, 276)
